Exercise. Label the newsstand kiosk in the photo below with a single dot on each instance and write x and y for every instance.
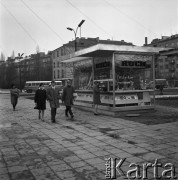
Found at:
(123, 73)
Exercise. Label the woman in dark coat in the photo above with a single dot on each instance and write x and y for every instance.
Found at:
(40, 100)
(14, 95)
(96, 97)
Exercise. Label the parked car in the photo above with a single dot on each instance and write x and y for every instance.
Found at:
(158, 83)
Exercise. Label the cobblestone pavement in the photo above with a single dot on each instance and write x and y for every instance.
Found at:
(76, 150)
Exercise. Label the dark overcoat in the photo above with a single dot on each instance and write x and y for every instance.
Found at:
(53, 96)
(96, 95)
(67, 95)
(14, 96)
(40, 99)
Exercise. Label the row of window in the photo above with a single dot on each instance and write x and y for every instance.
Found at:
(58, 74)
(26, 63)
(46, 60)
(33, 62)
(58, 64)
(168, 61)
(167, 74)
(59, 52)
(167, 66)
(171, 44)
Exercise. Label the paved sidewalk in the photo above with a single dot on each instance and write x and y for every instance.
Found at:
(76, 150)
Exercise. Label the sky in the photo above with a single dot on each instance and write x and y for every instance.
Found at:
(28, 24)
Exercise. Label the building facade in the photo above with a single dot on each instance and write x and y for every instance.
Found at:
(167, 61)
(8, 73)
(36, 67)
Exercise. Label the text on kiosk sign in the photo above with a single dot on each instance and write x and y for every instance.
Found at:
(133, 64)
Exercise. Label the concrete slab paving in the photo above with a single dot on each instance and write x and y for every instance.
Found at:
(72, 150)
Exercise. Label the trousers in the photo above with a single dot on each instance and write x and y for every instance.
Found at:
(68, 109)
(53, 114)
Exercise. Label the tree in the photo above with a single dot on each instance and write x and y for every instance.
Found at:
(3, 75)
(11, 72)
(2, 57)
(13, 55)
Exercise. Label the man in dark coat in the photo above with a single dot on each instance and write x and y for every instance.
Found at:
(67, 98)
(53, 96)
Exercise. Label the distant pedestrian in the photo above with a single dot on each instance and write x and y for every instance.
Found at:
(67, 98)
(53, 96)
(96, 97)
(161, 87)
(40, 100)
(14, 95)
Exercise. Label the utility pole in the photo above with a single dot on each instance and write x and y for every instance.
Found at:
(20, 56)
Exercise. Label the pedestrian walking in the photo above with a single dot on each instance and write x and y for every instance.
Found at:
(68, 98)
(40, 100)
(14, 95)
(96, 97)
(161, 87)
(53, 96)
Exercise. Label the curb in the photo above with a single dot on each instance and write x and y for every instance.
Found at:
(165, 97)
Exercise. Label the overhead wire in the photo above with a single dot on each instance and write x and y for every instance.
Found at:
(27, 6)
(88, 18)
(19, 23)
(130, 17)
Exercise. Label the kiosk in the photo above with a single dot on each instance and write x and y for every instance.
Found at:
(122, 71)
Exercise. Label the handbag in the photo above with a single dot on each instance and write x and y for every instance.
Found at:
(36, 107)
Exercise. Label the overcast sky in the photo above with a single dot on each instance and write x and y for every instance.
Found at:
(26, 24)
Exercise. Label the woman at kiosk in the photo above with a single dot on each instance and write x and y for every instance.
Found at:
(96, 97)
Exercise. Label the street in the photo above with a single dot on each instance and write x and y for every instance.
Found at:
(77, 150)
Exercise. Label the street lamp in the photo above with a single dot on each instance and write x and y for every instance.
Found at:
(20, 57)
(75, 32)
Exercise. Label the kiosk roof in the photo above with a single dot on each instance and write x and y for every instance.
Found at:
(101, 50)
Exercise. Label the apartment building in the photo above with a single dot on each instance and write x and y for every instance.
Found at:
(167, 61)
(36, 67)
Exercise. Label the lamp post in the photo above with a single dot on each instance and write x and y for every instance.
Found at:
(20, 57)
(75, 32)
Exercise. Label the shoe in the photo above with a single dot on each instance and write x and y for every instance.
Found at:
(96, 114)
(72, 118)
(66, 114)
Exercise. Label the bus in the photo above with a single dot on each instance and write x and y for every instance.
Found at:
(32, 86)
(64, 80)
